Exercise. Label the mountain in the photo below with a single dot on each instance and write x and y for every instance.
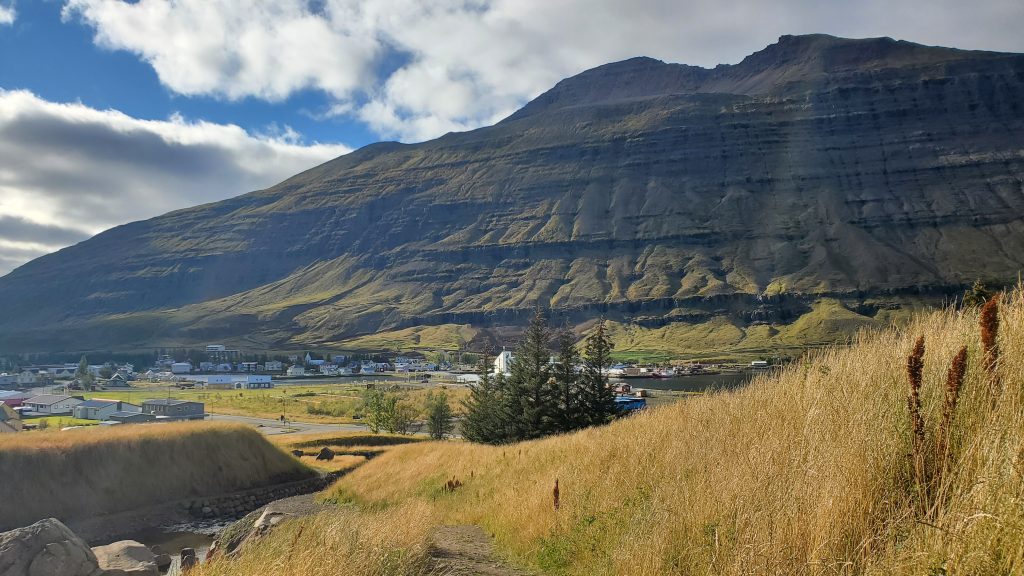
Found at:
(819, 185)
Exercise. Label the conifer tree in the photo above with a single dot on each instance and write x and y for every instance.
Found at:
(530, 391)
(569, 413)
(482, 421)
(596, 397)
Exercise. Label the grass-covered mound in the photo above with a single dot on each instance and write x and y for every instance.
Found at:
(81, 473)
(810, 471)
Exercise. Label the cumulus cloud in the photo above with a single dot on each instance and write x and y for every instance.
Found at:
(68, 171)
(465, 63)
(7, 14)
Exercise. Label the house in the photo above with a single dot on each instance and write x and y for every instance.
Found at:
(247, 366)
(52, 404)
(9, 380)
(274, 366)
(181, 368)
(131, 417)
(12, 398)
(26, 378)
(10, 422)
(118, 380)
(64, 372)
(98, 409)
(175, 409)
(224, 367)
(207, 366)
(759, 364)
(296, 370)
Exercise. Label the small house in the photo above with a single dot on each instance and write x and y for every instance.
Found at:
(296, 370)
(175, 409)
(118, 380)
(52, 404)
(131, 417)
(274, 366)
(98, 409)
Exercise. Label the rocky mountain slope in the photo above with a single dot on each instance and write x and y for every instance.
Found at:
(865, 171)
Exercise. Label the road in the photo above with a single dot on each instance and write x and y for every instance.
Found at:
(272, 427)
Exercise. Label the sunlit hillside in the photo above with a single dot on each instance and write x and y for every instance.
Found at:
(79, 473)
(806, 472)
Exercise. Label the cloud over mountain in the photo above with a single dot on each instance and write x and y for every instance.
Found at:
(68, 171)
(414, 69)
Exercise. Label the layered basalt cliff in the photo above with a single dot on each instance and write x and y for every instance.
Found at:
(819, 166)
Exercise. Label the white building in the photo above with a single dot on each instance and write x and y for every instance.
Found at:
(274, 366)
(97, 409)
(181, 368)
(52, 404)
(297, 370)
(503, 363)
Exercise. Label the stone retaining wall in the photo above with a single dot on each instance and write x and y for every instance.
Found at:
(238, 504)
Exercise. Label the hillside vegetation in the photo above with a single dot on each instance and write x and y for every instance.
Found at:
(80, 473)
(870, 170)
(804, 472)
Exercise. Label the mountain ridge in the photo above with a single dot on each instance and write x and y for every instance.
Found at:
(817, 167)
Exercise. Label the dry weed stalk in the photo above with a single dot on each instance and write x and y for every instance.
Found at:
(990, 346)
(954, 381)
(915, 368)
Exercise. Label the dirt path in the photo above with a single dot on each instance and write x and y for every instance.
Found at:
(466, 551)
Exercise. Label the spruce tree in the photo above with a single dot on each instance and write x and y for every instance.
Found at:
(530, 392)
(482, 419)
(596, 397)
(569, 414)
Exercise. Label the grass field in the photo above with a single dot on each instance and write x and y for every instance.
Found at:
(801, 472)
(324, 403)
(80, 473)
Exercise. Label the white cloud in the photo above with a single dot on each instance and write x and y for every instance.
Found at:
(470, 62)
(7, 14)
(68, 171)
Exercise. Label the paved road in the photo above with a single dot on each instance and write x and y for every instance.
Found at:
(275, 427)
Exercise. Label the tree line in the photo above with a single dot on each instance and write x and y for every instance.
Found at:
(539, 397)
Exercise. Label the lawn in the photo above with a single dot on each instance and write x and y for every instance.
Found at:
(339, 403)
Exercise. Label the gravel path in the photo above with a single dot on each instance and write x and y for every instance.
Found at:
(466, 551)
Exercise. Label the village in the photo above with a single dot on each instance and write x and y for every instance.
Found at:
(71, 395)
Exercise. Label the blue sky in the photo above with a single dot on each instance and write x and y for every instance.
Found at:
(116, 110)
(58, 61)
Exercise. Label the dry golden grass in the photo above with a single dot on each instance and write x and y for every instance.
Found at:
(343, 543)
(804, 472)
(79, 473)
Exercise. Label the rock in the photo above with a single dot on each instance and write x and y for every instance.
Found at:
(268, 520)
(298, 453)
(188, 559)
(126, 558)
(325, 454)
(163, 561)
(161, 557)
(46, 548)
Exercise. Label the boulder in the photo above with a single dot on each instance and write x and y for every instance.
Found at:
(161, 557)
(126, 558)
(298, 453)
(188, 559)
(268, 520)
(325, 454)
(46, 548)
